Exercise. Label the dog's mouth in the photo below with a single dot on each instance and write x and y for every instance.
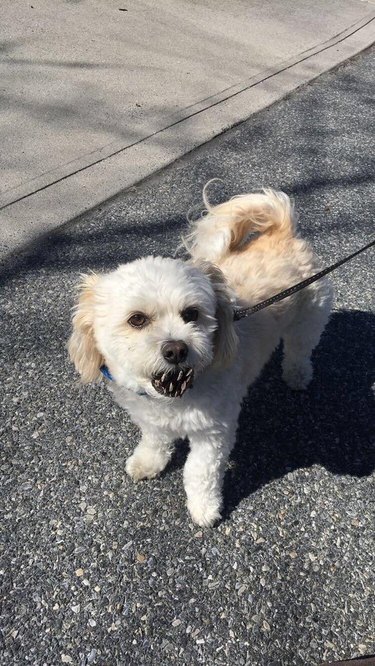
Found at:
(173, 383)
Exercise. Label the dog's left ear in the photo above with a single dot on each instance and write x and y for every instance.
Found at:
(82, 346)
(226, 339)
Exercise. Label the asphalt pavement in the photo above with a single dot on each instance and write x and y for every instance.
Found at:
(97, 94)
(99, 571)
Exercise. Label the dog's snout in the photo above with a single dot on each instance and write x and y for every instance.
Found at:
(175, 351)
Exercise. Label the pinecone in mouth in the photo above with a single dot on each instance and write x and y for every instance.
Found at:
(173, 383)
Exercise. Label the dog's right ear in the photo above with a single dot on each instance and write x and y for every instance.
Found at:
(226, 339)
(82, 347)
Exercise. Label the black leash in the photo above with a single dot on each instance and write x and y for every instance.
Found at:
(240, 313)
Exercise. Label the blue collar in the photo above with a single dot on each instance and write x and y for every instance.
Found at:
(105, 372)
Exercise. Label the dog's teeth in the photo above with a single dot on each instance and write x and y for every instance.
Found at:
(183, 387)
(170, 387)
(163, 377)
(180, 375)
(190, 372)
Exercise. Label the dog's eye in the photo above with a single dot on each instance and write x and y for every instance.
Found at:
(190, 314)
(138, 320)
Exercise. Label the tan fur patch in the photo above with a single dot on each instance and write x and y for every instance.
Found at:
(82, 347)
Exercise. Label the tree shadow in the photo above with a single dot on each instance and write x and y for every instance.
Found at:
(329, 425)
(98, 247)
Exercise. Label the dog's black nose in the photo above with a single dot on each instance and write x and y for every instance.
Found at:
(174, 351)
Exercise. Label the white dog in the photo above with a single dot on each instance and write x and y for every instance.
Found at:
(163, 332)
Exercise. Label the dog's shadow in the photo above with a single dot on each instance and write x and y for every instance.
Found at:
(330, 424)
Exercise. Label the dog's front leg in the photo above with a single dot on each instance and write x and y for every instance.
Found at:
(203, 474)
(151, 455)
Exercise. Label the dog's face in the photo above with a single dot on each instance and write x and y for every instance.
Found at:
(156, 323)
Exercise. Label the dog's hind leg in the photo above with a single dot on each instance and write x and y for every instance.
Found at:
(302, 336)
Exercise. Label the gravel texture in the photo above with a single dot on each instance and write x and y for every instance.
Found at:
(97, 570)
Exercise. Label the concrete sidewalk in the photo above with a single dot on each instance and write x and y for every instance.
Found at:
(99, 94)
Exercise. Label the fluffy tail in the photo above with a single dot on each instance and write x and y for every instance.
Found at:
(226, 227)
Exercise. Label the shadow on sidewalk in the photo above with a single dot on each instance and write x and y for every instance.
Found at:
(328, 425)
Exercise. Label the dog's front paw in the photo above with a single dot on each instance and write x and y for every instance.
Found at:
(205, 511)
(145, 464)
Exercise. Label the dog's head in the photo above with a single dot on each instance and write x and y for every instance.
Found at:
(155, 323)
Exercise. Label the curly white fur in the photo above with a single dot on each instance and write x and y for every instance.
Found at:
(226, 356)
